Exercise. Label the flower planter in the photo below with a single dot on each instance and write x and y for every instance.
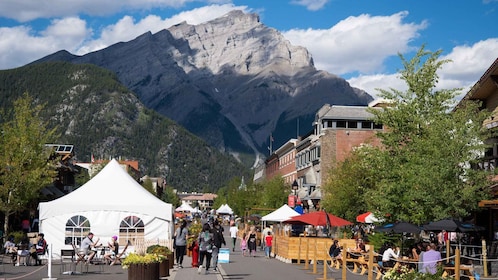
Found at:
(171, 258)
(164, 267)
(143, 271)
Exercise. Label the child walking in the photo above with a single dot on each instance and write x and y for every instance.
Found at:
(243, 244)
(268, 244)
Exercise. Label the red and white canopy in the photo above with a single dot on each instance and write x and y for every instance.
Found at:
(367, 218)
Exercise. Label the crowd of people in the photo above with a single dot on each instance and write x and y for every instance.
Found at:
(211, 239)
(26, 251)
(424, 257)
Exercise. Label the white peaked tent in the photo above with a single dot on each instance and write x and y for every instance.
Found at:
(225, 209)
(185, 207)
(106, 200)
(281, 214)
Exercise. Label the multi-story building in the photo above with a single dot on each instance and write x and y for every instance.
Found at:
(337, 130)
(486, 91)
(202, 200)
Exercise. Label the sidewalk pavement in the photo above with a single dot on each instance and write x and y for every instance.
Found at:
(257, 268)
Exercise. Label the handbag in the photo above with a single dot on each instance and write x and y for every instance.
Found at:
(174, 243)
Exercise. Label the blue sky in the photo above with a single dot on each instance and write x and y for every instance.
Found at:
(358, 40)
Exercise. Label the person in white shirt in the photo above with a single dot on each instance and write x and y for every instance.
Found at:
(233, 234)
(389, 256)
(265, 232)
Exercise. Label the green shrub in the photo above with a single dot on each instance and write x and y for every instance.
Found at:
(158, 250)
(133, 258)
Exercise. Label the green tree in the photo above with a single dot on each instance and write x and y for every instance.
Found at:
(273, 193)
(344, 191)
(147, 184)
(24, 165)
(169, 196)
(422, 172)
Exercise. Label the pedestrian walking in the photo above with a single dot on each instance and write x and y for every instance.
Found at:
(180, 243)
(206, 243)
(243, 244)
(233, 234)
(251, 241)
(218, 241)
(268, 244)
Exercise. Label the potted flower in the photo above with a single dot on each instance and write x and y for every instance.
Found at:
(194, 230)
(167, 258)
(142, 267)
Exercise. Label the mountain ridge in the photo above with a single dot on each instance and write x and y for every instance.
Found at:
(232, 81)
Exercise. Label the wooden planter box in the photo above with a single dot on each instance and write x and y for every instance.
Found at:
(164, 267)
(143, 271)
(171, 258)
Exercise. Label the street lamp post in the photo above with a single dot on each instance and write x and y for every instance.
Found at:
(295, 186)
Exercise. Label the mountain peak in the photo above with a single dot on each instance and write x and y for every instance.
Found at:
(239, 42)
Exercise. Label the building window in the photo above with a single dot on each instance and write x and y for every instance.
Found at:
(366, 125)
(77, 228)
(131, 229)
(340, 124)
(377, 126)
(352, 124)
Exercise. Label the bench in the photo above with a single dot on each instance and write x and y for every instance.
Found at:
(466, 269)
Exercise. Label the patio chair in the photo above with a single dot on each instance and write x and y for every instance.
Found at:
(67, 258)
(118, 257)
(79, 254)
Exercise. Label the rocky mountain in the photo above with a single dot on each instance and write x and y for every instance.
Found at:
(93, 111)
(232, 81)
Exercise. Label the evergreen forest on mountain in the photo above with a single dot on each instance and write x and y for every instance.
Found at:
(91, 110)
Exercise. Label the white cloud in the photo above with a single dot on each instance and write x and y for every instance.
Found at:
(468, 64)
(26, 10)
(19, 45)
(312, 5)
(360, 43)
(370, 83)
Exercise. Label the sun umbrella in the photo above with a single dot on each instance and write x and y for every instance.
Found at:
(367, 218)
(318, 218)
(452, 225)
(399, 227)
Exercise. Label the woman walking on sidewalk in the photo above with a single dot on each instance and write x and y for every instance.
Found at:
(181, 235)
(206, 242)
(251, 241)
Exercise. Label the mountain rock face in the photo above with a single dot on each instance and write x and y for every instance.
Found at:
(232, 81)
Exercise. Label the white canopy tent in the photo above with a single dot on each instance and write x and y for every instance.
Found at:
(281, 214)
(225, 209)
(110, 201)
(185, 207)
